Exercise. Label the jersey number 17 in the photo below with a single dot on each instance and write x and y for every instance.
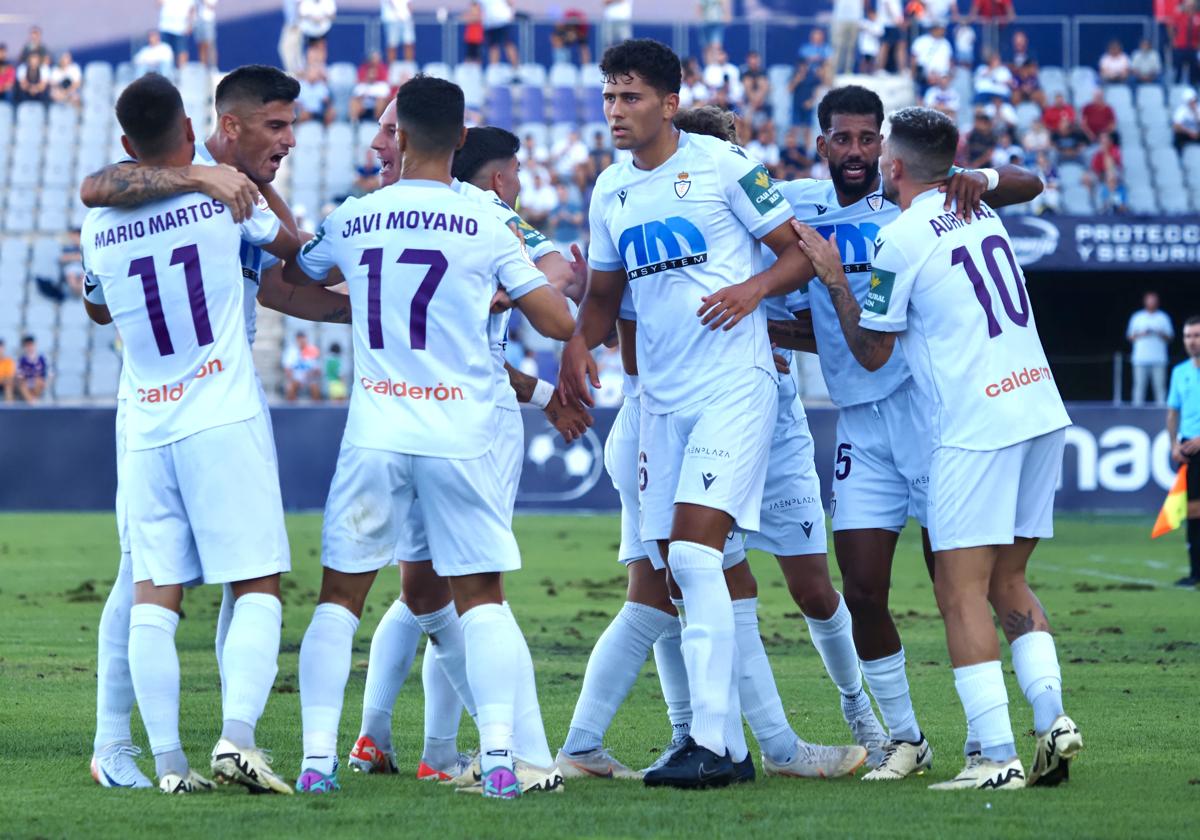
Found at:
(372, 258)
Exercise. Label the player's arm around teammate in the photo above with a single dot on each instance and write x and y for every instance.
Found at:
(126, 185)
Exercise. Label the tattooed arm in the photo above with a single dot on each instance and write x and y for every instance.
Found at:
(312, 303)
(872, 349)
(571, 421)
(128, 185)
(794, 335)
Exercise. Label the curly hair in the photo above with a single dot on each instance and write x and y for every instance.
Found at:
(707, 119)
(650, 59)
(849, 99)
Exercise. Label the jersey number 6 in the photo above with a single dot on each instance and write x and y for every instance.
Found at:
(372, 258)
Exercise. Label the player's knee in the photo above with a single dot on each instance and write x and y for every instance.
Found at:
(864, 600)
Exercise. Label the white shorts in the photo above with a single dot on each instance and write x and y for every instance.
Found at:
(120, 505)
(881, 463)
(990, 498)
(792, 523)
(713, 453)
(621, 460)
(399, 32)
(465, 509)
(207, 506)
(508, 446)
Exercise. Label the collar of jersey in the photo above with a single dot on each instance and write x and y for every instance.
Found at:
(421, 182)
(683, 142)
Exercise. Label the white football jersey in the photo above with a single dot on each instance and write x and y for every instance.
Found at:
(170, 274)
(422, 263)
(955, 294)
(816, 204)
(682, 231)
(537, 246)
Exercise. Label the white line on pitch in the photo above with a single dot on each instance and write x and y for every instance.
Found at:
(1094, 573)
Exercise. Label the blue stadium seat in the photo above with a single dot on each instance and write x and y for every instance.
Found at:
(68, 385)
(590, 76)
(401, 71)
(533, 103)
(98, 74)
(104, 373)
(439, 69)
(564, 107)
(53, 215)
(499, 107)
(1175, 202)
(535, 129)
(19, 210)
(343, 76)
(532, 74)
(564, 75)
(593, 104)
(499, 74)
(469, 77)
(1150, 95)
(1053, 80)
(44, 261)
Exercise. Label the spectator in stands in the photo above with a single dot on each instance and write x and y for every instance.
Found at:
(1002, 114)
(1036, 139)
(870, 41)
(315, 19)
(528, 363)
(473, 36)
(803, 85)
(1020, 54)
(1145, 63)
(569, 40)
(1052, 116)
(893, 52)
(301, 369)
(66, 80)
(1149, 332)
(8, 373)
(396, 17)
(993, 15)
(71, 261)
(1115, 67)
(980, 141)
(692, 90)
(315, 101)
(156, 57)
(1069, 140)
(720, 72)
(531, 152)
(1111, 197)
(498, 17)
(756, 90)
(1007, 151)
(714, 14)
(34, 46)
(618, 22)
(335, 386)
(291, 53)
(600, 153)
(993, 79)
(567, 218)
(205, 33)
(1185, 41)
(570, 156)
(1028, 87)
(33, 373)
(33, 80)
(964, 45)
(932, 55)
(794, 161)
(1106, 158)
(8, 74)
(1050, 199)
(539, 201)
(942, 97)
(846, 21)
(1185, 122)
(816, 51)
(175, 25)
(371, 93)
(763, 147)
(1099, 118)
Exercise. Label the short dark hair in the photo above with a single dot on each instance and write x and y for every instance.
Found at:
(926, 140)
(849, 99)
(28, 338)
(148, 111)
(256, 83)
(484, 145)
(709, 120)
(652, 60)
(430, 110)
(1192, 321)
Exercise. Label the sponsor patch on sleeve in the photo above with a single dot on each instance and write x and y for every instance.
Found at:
(312, 243)
(880, 292)
(758, 188)
(532, 236)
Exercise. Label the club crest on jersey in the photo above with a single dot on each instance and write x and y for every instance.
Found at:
(623, 194)
(875, 201)
(682, 185)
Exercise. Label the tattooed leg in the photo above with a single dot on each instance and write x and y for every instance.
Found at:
(1018, 610)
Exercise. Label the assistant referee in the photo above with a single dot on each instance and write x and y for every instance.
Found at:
(1183, 427)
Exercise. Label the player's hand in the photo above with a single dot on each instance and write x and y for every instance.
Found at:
(964, 192)
(571, 421)
(576, 372)
(228, 186)
(781, 364)
(725, 308)
(825, 254)
(501, 302)
(579, 271)
(1190, 447)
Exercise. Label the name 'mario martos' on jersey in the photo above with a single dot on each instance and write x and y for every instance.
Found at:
(422, 263)
(170, 273)
(955, 294)
(682, 231)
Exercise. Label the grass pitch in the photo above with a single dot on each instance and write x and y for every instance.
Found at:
(1129, 645)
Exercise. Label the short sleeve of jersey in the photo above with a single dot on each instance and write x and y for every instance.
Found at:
(797, 301)
(1174, 397)
(535, 241)
(316, 258)
(261, 228)
(602, 251)
(532, 284)
(627, 313)
(267, 260)
(514, 269)
(885, 308)
(753, 197)
(93, 292)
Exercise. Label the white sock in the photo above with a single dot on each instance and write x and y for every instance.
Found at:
(493, 659)
(707, 641)
(672, 676)
(443, 712)
(888, 682)
(529, 733)
(114, 686)
(250, 659)
(971, 744)
(833, 639)
(985, 701)
(393, 648)
(1036, 663)
(224, 616)
(154, 666)
(758, 695)
(324, 669)
(735, 732)
(445, 632)
(611, 672)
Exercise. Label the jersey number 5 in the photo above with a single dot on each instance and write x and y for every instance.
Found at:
(189, 257)
(992, 244)
(372, 258)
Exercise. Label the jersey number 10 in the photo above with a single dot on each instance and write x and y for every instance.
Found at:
(990, 245)
(372, 258)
